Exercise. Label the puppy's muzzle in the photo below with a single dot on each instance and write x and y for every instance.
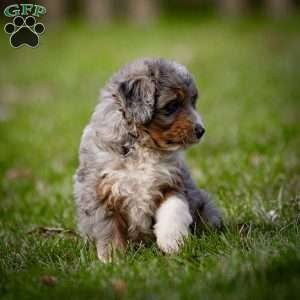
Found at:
(199, 131)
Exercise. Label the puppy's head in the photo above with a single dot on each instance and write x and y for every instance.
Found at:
(159, 98)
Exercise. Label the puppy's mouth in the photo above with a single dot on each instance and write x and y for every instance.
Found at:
(163, 140)
(175, 144)
(184, 139)
(184, 143)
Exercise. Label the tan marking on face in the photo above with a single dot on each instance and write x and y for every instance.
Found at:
(180, 132)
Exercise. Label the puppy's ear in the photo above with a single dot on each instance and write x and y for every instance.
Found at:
(138, 99)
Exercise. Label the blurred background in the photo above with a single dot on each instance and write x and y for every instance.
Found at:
(245, 56)
(144, 11)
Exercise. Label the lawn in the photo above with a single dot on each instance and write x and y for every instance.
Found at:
(248, 73)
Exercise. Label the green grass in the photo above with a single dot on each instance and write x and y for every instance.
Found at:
(248, 74)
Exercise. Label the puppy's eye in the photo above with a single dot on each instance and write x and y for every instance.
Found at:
(171, 107)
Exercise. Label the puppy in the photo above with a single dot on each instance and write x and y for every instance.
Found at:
(132, 183)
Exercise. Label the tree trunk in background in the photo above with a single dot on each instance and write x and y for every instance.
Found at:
(98, 11)
(143, 11)
(232, 7)
(56, 10)
(279, 8)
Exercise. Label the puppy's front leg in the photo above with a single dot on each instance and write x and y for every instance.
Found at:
(173, 219)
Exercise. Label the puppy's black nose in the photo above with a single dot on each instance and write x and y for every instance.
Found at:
(199, 131)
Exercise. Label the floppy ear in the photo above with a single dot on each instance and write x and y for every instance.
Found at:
(139, 98)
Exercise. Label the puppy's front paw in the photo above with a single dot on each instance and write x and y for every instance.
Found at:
(104, 253)
(170, 240)
(172, 226)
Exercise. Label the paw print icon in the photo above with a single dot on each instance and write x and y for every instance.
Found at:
(24, 31)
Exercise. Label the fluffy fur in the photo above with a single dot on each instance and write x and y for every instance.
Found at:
(132, 183)
(170, 234)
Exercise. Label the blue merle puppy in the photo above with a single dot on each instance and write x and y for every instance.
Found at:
(132, 182)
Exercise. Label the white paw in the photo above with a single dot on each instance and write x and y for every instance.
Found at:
(170, 240)
(173, 219)
(104, 253)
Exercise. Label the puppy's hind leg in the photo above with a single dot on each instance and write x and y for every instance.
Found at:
(201, 206)
(173, 219)
(204, 209)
